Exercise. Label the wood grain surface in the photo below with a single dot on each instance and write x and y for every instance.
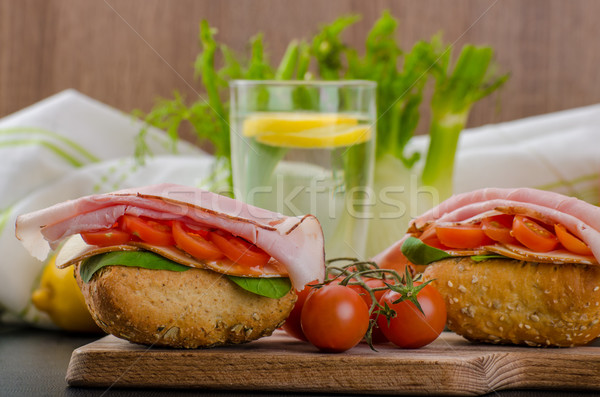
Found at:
(129, 52)
(449, 366)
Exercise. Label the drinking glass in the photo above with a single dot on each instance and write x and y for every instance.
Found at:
(307, 147)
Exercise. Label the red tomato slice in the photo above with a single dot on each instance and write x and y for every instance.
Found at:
(570, 242)
(194, 244)
(532, 235)
(147, 230)
(107, 237)
(498, 228)
(463, 236)
(239, 250)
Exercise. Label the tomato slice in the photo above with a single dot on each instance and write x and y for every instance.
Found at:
(570, 242)
(147, 230)
(462, 236)
(106, 237)
(533, 235)
(498, 228)
(194, 244)
(239, 250)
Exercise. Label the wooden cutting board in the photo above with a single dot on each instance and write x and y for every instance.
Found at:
(450, 366)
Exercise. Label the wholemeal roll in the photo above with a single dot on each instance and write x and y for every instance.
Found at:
(195, 308)
(515, 266)
(516, 302)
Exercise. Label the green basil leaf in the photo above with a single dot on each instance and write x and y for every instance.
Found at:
(420, 253)
(145, 259)
(481, 258)
(271, 287)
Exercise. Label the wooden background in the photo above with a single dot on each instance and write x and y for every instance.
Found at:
(129, 52)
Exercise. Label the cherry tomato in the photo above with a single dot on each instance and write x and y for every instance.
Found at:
(239, 250)
(147, 230)
(570, 242)
(463, 236)
(498, 228)
(334, 318)
(532, 235)
(194, 244)
(107, 237)
(292, 324)
(409, 328)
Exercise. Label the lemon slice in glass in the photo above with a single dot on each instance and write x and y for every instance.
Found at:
(305, 130)
(288, 122)
(325, 137)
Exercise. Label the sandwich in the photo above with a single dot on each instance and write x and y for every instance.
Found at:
(176, 266)
(515, 266)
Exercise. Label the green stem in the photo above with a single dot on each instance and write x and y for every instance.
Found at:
(439, 165)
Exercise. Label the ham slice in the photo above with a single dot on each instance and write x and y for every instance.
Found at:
(580, 218)
(295, 242)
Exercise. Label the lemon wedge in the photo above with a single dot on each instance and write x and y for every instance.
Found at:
(326, 137)
(60, 297)
(290, 122)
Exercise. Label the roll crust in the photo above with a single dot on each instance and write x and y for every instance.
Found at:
(514, 302)
(191, 309)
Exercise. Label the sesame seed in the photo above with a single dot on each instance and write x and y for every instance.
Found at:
(450, 284)
(527, 326)
(595, 321)
(460, 268)
(596, 288)
(489, 324)
(587, 336)
(582, 328)
(520, 325)
(462, 288)
(597, 303)
(530, 343)
(501, 318)
(474, 280)
(500, 329)
(455, 300)
(547, 341)
(484, 288)
(546, 291)
(534, 318)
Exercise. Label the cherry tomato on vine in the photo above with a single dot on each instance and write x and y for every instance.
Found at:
(532, 235)
(147, 230)
(334, 318)
(498, 228)
(570, 242)
(292, 324)
(409, 328)
(107, 237)
(194, 243)
(463, 236)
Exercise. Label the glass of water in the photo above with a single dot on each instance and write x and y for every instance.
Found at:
(307, 147)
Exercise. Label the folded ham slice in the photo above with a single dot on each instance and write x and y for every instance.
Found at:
(295, 242)
(580, 218)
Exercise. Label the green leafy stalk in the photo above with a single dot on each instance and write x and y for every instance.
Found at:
(328, 48)
(452, 100)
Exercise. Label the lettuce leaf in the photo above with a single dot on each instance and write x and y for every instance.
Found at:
(419, 253)
(271, 287)
(145, 259)
(275, 287)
